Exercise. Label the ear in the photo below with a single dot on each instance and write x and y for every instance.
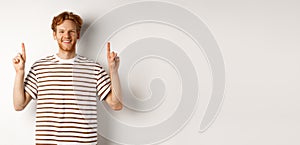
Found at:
(78, 35)
(54, 35)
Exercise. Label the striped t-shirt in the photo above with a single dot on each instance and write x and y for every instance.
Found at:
(67, 92)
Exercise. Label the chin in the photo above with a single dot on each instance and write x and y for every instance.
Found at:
(67, 48)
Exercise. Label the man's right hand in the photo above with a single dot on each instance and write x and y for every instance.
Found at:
(19, 60)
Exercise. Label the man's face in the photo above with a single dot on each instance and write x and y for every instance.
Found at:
(66, 35)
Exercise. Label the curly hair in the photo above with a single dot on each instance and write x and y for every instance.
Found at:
(59, 19)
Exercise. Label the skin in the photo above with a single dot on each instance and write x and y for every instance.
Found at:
(66, 36)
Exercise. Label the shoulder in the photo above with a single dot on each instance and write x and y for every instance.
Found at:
(83, 60)
(44, 60)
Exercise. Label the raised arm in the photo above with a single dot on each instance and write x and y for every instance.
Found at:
(114, 98)
(21, 99)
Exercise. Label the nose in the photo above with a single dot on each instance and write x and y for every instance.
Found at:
(67, 35)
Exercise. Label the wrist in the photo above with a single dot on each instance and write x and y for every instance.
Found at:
(20, 72)
(113, 71)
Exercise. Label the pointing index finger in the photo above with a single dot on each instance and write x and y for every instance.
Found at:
(108, 49)
(23, 51)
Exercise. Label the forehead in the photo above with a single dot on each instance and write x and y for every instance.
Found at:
(67, 24)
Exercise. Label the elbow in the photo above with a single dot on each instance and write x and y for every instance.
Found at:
(117, 107)
(19, 108)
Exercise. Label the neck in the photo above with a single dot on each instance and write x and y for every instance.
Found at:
(66, 54)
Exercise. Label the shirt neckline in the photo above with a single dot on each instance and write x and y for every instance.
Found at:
(60, 60)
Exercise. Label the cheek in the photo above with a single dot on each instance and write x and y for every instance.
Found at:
(58, 37)
(75, 35)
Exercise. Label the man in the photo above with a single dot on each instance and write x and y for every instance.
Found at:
(66, 87)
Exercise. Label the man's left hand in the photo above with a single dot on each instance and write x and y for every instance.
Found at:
(112, 59)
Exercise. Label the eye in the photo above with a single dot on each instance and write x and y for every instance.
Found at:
(72, 32)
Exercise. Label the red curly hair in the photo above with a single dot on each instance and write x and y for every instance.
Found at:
(59, 19)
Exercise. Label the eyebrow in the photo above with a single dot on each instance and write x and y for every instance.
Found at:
(65, 29)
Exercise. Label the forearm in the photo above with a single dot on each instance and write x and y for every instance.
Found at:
(19, 98)
(116, 88)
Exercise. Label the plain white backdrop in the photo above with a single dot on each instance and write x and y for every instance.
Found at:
(259, 40)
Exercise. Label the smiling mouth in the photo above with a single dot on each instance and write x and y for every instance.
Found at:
(66, 41)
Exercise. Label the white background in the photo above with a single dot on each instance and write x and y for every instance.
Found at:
(259, 40)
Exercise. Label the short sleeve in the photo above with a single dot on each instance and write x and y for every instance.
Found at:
(30, 84)
(103, 84)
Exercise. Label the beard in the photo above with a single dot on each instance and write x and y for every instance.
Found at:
(67, 46)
